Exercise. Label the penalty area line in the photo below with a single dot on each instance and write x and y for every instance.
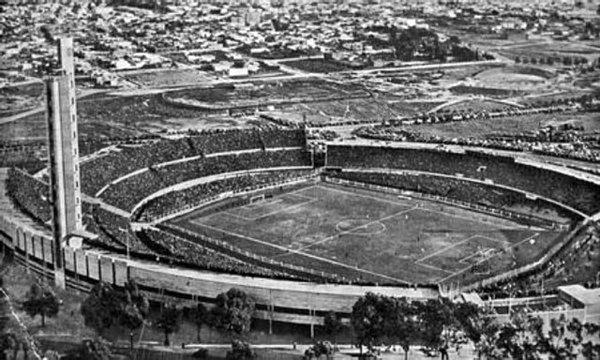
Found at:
(488, 258)
(349, 231)
(288, 251)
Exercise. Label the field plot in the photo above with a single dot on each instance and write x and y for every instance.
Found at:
(318, 65)
(476, 105)
(168, 77)
(480, 128)
(355, 110)
(372, 236)
(270, 93)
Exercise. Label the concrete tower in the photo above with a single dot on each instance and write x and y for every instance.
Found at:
(63, 151)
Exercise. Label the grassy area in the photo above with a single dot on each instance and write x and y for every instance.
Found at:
(476, 105)
(31, 127)
(544, 98)
(318, 65)
(69, 324)
(513, 124)
(17, 281)
(168, 77)
(360, 110)
(260, 94)
(377, 236)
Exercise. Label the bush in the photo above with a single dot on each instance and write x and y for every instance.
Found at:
(201, 354)
(240, 350)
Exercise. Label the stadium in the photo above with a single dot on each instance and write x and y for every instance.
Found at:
(306, 232)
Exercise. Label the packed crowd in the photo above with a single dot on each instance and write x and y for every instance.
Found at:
(181, 199)
(177, 250)
(104, 238)
(462, 190)
(316, 270)
(446, 116)
(576, 193)
(576, 263)
(103, 169)
(30, 195)
(114, 234)
(113, 231)
(568, 145)
(129, 192)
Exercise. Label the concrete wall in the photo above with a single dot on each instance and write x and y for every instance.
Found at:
(161, 281)
(294, 302)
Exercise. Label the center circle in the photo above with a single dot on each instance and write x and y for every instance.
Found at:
(360, 226)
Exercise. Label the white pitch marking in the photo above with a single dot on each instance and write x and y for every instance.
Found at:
(357, 227)
(447, 248)
(487, 258)
(287, 250)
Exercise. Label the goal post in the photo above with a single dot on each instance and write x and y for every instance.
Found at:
(257, 198)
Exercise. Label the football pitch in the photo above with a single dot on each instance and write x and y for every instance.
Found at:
(374, 236)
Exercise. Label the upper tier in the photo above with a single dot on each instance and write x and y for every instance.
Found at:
(128, 193)
(571, 191)
(100, 171)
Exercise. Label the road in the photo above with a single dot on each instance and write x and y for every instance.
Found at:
(82, 95)
(292, 74)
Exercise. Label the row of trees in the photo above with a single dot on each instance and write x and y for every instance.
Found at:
(107, 307)
(551, 60)
(439, 324)
(436, 324)
(13, 341)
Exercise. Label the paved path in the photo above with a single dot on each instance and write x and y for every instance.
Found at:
(83, 94)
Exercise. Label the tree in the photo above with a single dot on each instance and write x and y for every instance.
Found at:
(102, 308)
(332, 325)
(402, 324)
(9, 341)
(42, 301)
(435, 321)
(95, 349)
(134, 310)
(169, 320)
(318, 349)
(200, 317)
(367, 320)
(481, 327)
(591, 349)
(240, 350)
(520, 338)
(563, 338)
(4, 314)
(233, 312)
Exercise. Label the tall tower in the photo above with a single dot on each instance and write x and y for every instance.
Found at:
(63, 151)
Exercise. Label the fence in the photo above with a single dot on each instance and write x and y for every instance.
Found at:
(213, 199)
(528, 219)
(503, 277)
(246, 256)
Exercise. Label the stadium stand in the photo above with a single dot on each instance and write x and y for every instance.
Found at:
(29, 195)
(576, 193)
(264, 157)
(464, 190)
(178, 200)
(174, 249)
(127, 193)
(101, 170)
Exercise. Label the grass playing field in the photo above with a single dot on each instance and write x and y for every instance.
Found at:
(375, 236)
